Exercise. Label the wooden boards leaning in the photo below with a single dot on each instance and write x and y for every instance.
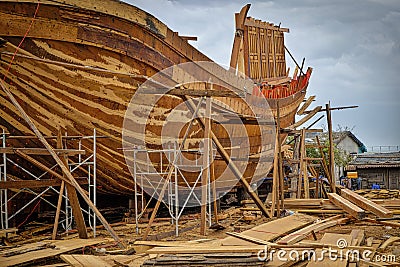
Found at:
(347, 206)
(366, 204)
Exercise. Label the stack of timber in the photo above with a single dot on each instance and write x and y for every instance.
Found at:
(379, 194)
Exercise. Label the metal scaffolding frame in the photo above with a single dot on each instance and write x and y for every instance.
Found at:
(140, 171)
(89, 162)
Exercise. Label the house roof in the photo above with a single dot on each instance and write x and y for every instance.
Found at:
(339, 136)
(375, 160)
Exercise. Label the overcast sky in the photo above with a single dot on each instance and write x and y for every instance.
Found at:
(353, 47)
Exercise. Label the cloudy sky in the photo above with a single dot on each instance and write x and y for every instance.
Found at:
(353, 47)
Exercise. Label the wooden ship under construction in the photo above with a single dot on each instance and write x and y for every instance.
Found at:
(77, 64)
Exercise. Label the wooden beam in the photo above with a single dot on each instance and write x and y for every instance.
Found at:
(35, 183)
(197, 249)
(306, 105)
(306, 231)
(197, 92)
(41, 151)
(335, 108)
(305, 118)
(347, 206)
(206, 167)
(240, 19)
(366, 204)
(331, 150)
(64, 169)
(280, 160)
(229, 162)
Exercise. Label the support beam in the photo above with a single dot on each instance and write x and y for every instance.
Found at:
(331, 149)
(229, 162)
(44, 168)
(366, 204)
(206, 167)
(306, 118)
(64, 169)
(42, 151)
(35, 183)
(347, 206)
(306, 105)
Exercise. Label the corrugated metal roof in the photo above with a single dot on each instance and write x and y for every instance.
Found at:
(375, 160)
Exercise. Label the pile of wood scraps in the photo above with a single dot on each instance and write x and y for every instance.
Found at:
(379, 194)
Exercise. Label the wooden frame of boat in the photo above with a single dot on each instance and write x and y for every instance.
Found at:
(81, 62)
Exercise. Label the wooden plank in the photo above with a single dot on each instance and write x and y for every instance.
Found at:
(41, 151)
(84, 260)
(62, 246)
(388, 242)
(239, 21)
(366, 204)
(305, 118)
(205, 249)
(306, 105)
(306, 231)
(206, 163)
(271, 230)
(249, 238)
(330, 150)
(330, 239)
(35, 183)
(347, 206)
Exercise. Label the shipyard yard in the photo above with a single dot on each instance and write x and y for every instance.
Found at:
(122, 144)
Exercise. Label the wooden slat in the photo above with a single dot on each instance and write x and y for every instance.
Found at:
(271, 230)
(346, 205)
(41, 151)
(205, 249)
(306, 105)
(35, 183)
(84, 260)
(305, 118)
(366, 204)
(62, 246)
(306, 231)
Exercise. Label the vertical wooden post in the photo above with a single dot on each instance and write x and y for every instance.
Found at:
(301, 167)
(280, 160)
(294, 180)
(73, 197)
(331, 149)
(229, 162)
(64, 169)
(206, 167)
(304, 164)
(274, 182)
(61, 193)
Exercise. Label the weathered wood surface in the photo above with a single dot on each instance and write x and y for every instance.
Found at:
(271, 230)
(347, 206)
(61, 246)
(366, 204)
(84, 260)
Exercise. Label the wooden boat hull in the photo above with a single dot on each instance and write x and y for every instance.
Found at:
(78, 68)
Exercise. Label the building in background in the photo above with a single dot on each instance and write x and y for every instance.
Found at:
(382, 169)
